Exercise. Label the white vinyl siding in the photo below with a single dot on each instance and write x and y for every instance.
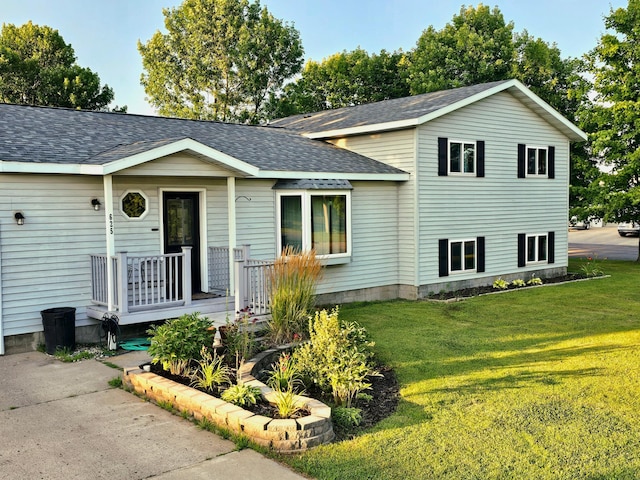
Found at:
(500, 205)
(398, 150)
(177, 165)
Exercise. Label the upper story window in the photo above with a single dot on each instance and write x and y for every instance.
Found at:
(314, 219)
(536, 248)
(134, 204)
(536, 161)
(460, 157)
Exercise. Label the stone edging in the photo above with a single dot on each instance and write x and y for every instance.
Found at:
(283, 435)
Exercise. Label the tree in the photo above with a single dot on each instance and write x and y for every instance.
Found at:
(341, 80)
(37, 67)
(614, 126)
(476, 47)
(220, 60)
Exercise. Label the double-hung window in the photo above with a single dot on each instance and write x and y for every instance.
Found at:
(461, 256)
(535, 161)
(315, 219)
(536, 248)
(460, 157)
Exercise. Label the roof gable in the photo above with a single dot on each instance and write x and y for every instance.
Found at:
(416, 110)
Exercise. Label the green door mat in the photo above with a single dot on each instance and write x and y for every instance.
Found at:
(136, 344)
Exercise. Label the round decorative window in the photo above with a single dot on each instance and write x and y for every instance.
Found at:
(134, 204)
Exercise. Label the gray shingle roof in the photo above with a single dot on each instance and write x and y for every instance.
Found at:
(380, 112)
(64, 136)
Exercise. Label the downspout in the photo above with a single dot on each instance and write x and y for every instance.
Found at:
(107, 181)
(231, 206)
(1, 322)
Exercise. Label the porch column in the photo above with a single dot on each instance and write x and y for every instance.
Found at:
(231, 203)
(186, 275)
(122, 282)
(110, 239)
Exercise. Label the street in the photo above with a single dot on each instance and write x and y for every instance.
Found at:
(603, 243)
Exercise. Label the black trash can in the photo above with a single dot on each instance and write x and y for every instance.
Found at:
(59, 328)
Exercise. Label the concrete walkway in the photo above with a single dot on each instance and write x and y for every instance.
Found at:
(63, 421)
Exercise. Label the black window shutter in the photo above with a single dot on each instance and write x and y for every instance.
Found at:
(522, 240)
(480, 158)
(551, 162)
(443, 255)
(551, 247)
(480, 252)
(443, 145)
(521, 160)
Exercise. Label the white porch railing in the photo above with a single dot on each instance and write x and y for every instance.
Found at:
(145, 281)
(252, 282)
(219, 278)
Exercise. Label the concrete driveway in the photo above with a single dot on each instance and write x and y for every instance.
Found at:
(603, 243)
(63, 421)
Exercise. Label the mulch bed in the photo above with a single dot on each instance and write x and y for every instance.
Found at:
(384, 391)
(475, 291)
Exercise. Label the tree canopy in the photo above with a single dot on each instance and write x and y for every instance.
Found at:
(219, 60)
(613, 119)
(37, 67)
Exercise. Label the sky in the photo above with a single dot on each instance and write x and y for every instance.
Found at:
(104, 33)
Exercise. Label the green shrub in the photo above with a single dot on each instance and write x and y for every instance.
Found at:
(293, 281)
(177, 341)
(242, 395)
(286, 403)
(534, 281)
(345, 418)
(240, 339)
(518, 282)
(210, 372)
(336, 358)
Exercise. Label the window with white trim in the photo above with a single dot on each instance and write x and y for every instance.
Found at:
(537, 161)
(134, 204)
(537, 248)
(315, 219)
(462, 255)
(462, 157)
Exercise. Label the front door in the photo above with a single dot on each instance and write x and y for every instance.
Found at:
(182, 229)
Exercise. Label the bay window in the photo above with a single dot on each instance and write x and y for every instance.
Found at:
(317, 220)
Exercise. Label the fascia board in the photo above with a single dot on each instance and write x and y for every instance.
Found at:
(50, 168)
(389, 177)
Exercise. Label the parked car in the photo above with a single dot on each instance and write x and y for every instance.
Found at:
(628, 228)
(579, 224)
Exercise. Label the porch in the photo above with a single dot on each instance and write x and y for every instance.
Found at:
(146, 288)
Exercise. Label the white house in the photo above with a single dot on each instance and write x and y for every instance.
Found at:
(400, 199)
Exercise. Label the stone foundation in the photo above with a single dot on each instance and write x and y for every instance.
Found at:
(283, 435)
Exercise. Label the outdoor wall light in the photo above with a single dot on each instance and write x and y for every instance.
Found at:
(19, 218)
(96, 204)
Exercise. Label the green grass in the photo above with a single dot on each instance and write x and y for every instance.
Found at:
(541, 383)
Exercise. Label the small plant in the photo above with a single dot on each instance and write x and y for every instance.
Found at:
(500, 284)
(67, 356)
(240, 338)
(210, 372)
(293, 281)
(534, 281)
(286, 403)
(179, 340)
(591, 268)
(115, 382)
(518, 282)
(242, 395)
(346, 418)
(284, 374)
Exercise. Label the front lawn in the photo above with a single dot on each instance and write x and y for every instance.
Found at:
(541, 383)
